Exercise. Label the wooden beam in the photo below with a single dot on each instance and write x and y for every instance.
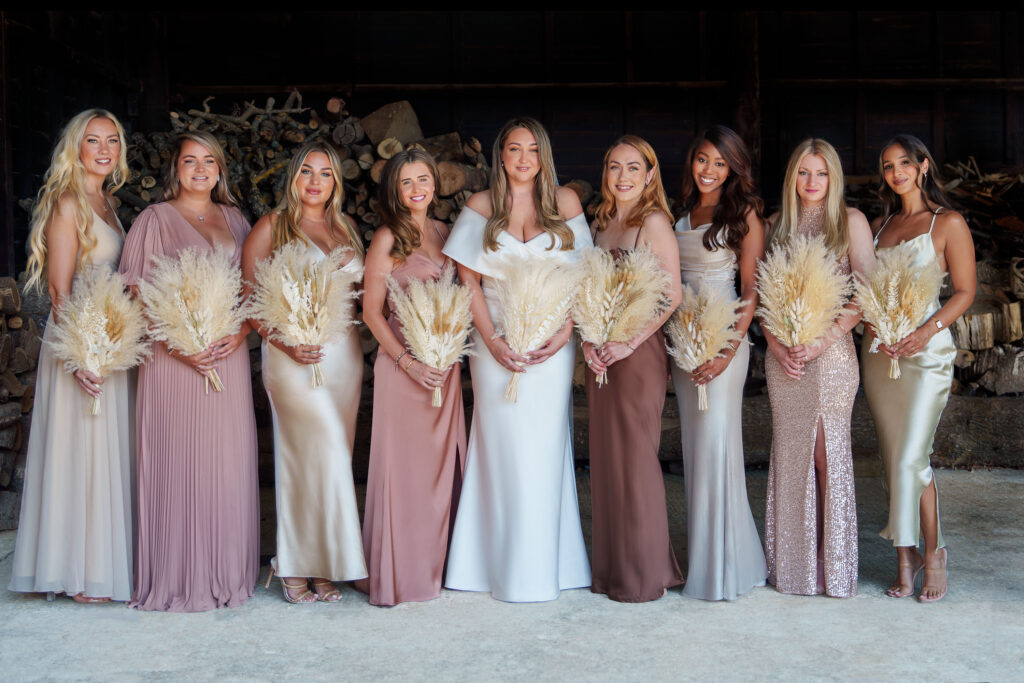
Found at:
(899, 83)
(204, 90)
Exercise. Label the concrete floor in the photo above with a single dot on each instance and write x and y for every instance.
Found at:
(975, 633)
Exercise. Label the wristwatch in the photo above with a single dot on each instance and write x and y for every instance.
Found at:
(938, 323)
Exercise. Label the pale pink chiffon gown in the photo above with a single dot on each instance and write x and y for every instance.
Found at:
(198, 493)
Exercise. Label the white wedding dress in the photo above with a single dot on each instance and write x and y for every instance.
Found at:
(517, 531)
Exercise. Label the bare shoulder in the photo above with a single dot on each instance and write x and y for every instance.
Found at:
(383, 239)
(442, 228)
(481, 203)
(951, 221)
(659, 223)
(857, 221)
(754, 222)
(568, 203)
(876, 224)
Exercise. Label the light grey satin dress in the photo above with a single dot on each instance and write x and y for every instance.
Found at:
(724, 551)
(907, 412)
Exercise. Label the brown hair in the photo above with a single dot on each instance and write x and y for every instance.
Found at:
(929, 184)
(221, 192)
(394, 214)
(652, 199)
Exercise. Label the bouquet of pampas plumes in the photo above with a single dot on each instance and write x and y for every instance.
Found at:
(700, 328)
(193, 300)
(802, 290)
(535, 295)
(618, 298)
(302, 299)
(435, 319)
(895, 296)
(100, 328)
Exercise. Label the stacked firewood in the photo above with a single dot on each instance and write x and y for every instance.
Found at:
(259, 141)
(20, 343)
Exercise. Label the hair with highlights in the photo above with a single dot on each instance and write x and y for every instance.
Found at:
(837, 233)
(221, 193)
(396, 215)
(652, 199)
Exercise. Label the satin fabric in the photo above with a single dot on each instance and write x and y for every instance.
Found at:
(907, 412)
(75, 533)
(517, 532)
(725, 557)
(314, 428)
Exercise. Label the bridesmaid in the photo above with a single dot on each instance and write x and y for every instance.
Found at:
(632, 558)
(198, 496)
(811, 519)
(916, 213)
(314, 428)
(517, 533)
(75, 534)
(720, 230)
(415, 449)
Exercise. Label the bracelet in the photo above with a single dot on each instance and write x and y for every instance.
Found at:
(630, 347)
(406, 368)
(400, 356)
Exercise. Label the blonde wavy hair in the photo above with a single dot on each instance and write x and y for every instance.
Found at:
(66, 175)
(394, 213)
(288, 214)
(221, 193)
(544, 188)
(837, 234)
(652, 199)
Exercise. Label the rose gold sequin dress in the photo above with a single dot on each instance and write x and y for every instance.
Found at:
(825, 392)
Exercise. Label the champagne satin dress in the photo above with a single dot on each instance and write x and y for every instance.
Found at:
(632, 557)
(75, 531)
(724, 551)
(415, 471)
(314, 429)
(824, 394)
(907, 411)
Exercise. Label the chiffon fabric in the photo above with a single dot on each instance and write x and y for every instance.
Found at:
(724, 551)
(632, 557)
(907, 412)
(415, 469)
(75, 529)
(314, 429)
(517, 532)
(198, 495)
(823, 395)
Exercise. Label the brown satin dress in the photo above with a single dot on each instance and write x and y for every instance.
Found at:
(632, 558)
(416, 453)
(825, 392)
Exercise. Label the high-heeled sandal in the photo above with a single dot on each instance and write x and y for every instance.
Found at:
(301, 598)
(333, 595)
(83, 599)
(945, 560)
(894, 590)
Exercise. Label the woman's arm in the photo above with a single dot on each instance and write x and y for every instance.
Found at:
(379, 265)
(497, 346)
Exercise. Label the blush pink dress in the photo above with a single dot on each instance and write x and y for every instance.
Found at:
(416, 454)
(198, 494)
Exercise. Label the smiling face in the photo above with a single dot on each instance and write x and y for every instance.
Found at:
(709, 168)
(626, 174)
(520, 156)
(197, 168)
(812, 180)
(315, 180)
(899, 170)
(416, 186)
(100, 147)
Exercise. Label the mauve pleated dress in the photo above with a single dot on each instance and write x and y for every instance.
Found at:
(198, 493)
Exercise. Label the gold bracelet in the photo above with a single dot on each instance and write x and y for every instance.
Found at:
(400, 357)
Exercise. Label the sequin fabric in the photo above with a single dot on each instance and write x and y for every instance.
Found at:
(825, 393)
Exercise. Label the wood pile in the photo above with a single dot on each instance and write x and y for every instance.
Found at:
(260, 140)
(20, 342)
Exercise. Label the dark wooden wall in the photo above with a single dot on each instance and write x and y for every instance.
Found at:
(854, 78)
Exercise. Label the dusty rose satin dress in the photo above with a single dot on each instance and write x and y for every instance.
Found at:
(198, 495)
(416, 453)
(631, 555)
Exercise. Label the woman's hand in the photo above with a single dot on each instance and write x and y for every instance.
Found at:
(424, 375)
(913, 343)
(303, 354)
(551, 346)
(593, 360)
(714, 367)
(790, 363)
(505, 356)
(90, 383)
(225, 346)
(612, 352)
(201, 362)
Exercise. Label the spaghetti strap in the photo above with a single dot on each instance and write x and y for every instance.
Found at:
(636, 240)
(878, 234)
(935, 215)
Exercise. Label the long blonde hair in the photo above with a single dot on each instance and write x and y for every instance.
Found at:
(652, 199)
(221, 193)
(837, 234)
(288, 214)
(66, 174)
(544, 185)
(394, 213)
